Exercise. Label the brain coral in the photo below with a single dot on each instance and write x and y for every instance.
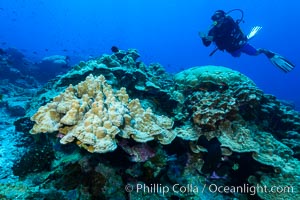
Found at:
(92, 114)
(196, 76)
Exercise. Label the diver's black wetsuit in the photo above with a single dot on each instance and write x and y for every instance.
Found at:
(227, 35)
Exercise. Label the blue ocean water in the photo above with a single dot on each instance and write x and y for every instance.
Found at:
(163, 31)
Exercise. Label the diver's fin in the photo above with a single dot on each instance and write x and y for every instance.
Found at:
(253, 32)
(281, 62)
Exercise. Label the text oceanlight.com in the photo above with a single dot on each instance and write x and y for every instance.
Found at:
(212, 188)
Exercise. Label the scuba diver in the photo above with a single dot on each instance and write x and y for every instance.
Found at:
(227, 35)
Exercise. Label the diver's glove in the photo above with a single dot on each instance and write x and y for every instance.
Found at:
(206, 40)
(205, 37)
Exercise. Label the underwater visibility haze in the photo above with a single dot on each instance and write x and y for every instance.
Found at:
(164, 32)
(121, 100)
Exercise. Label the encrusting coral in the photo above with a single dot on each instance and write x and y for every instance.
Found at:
(92, 114)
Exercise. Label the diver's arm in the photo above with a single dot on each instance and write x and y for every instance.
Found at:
(206, 39)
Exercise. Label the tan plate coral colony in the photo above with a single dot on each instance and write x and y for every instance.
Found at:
(92, 114)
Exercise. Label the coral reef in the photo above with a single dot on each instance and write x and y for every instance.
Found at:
(205, 126)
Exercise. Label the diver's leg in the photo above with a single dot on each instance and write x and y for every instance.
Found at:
(236, 53)
(250, 50)
(268, 53)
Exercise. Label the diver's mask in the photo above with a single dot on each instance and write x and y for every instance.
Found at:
(218, 17)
